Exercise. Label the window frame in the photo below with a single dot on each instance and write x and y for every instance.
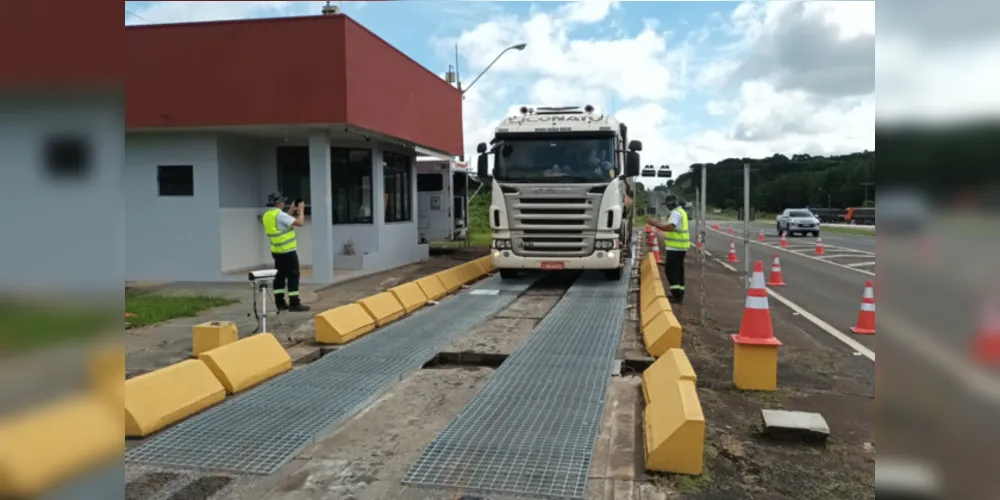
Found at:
(188, 172)
(397, 167)
(342, 175)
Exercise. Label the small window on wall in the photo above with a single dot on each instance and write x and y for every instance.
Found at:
(175, 180)
(351, 176)
(398, 187)
(293, 174)
(430, 183)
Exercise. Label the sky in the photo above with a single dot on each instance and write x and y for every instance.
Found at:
(694, 81)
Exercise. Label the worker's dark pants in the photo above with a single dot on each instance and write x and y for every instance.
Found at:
(675, 272)
(287, 265)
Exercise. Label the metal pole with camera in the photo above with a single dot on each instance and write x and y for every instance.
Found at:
(263, 281)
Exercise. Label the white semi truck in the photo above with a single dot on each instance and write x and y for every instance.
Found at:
(560, 181)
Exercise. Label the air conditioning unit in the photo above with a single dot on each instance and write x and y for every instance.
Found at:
(329, 9)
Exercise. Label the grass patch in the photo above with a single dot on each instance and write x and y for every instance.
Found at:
(481, 238)
(848, 230)
(150, 308)
(27, 326)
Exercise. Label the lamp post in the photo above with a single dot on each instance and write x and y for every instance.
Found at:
(458, 78)
(519, 46)
(829, 198)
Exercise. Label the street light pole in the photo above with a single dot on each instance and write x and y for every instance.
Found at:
(866, 184)
(519, 46)
(746, 227)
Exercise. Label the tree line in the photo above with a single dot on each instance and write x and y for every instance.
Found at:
(780, 182)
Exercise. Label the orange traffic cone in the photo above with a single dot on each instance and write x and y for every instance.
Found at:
(732, 252)
(648, 228)
(784, 240)
(776, 279)
(760, 237)
(700, 240)
(819, 246)
(866, 318)
(730, 231)
(986, 347)
(651, 237)
(716, 227)
(656, 252)
(756, 327)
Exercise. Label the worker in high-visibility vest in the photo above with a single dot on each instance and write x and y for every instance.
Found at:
(677, 241)
(279, 227)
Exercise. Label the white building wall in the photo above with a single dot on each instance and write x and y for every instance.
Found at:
(171, 238)
(241, 200)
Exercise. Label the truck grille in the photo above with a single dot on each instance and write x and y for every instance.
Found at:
(546, 226)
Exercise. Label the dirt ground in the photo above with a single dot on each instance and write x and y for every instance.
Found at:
(367, 456)
(815, 374)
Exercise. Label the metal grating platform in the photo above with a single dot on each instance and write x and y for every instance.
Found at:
(259, 431)
(532, 428)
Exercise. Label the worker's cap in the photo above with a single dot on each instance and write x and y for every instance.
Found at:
(670, 199)
(275, 198)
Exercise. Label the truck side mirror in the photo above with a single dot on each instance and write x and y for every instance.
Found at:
(632, 164)
(482, 165)
(481, 148)
(635, 146)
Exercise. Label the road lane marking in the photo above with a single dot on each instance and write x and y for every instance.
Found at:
(861, 264)
(823, 325)
(776, 247)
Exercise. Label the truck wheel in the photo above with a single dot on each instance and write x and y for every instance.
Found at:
(613, 274)
(508, 274)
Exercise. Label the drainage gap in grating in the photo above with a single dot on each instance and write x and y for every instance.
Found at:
(477, 359)
(149, 484)
(202, 488)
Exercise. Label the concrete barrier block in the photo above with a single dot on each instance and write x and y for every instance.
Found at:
(674, 365)
(410, 296)
(343, 324)
(659, 305)
(432, 287)
(383, 308)
(675, 431)
(107, 368)
(162, 397)
(208, 336)
(449, 278)
(43, 447)
(247, 362)
(487, 263)
(651, 291)
(469, 272)
(661, 334)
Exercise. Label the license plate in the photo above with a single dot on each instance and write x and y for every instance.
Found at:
(553, 265)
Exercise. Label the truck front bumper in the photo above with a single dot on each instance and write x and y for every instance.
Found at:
(601, 259)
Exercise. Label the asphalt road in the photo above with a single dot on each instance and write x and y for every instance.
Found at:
(830, 292)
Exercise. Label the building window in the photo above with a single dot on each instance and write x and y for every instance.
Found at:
(352, 185)
(398, 187)
(293, 174)
(430, 183)
(175, 180)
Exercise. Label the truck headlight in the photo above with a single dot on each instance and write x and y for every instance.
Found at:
(502, 244)
(606, 244)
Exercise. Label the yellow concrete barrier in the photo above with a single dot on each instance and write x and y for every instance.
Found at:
(247, 362)
(659, 304)
(208, 336)
(648, 268)
(44, 447)
(662, 333)
(450, 280)
(410, 296)
(649, 292)
(675, 430)
(487, 263)
(343, 324)
(159, 398)
(383, 308)
(432, 287)
(673, 366)
(469, 272)
(107, 368)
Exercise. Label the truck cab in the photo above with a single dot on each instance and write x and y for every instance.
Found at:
(561, 177)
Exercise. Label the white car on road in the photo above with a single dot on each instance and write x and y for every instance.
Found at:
(798, 220)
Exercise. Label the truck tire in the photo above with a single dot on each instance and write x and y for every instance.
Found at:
(613, 274)
(508, 274)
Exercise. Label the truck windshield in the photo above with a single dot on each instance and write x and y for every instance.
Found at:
(555, 160)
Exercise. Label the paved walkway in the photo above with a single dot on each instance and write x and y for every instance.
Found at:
(153, 347)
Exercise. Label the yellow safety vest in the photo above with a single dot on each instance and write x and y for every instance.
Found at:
(679, 238)
(282, 241)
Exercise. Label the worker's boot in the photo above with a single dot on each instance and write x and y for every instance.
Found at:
(279, 302)
(297, 306)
